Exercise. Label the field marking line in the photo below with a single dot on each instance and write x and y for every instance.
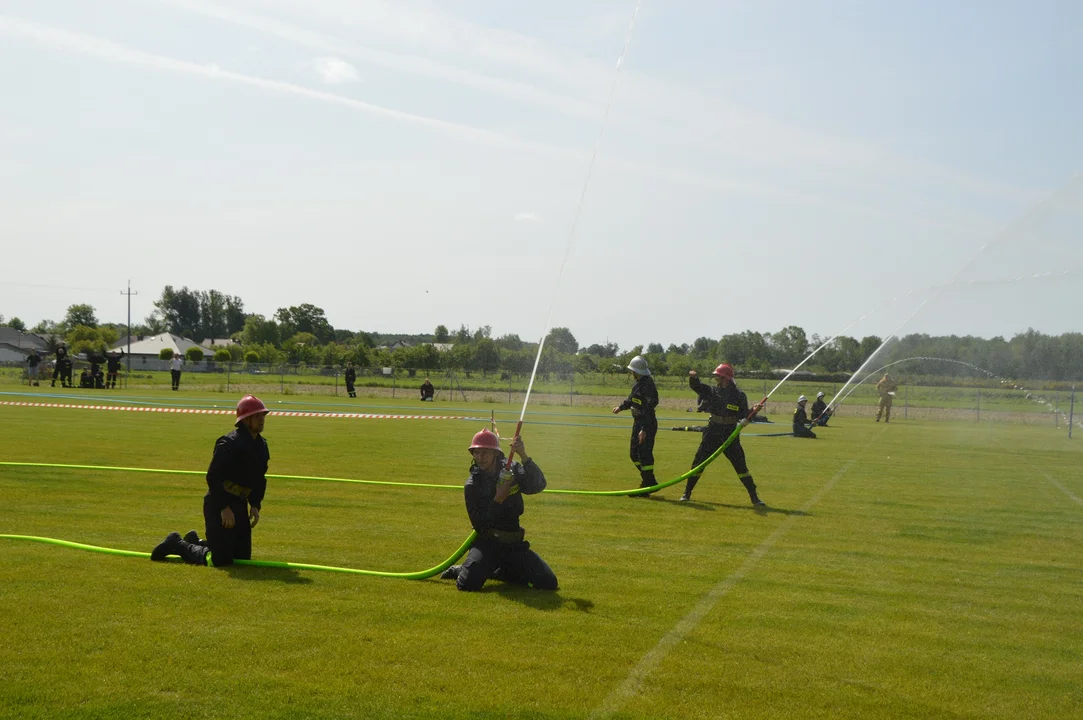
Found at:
(1063, 489)
(205, 411)
(647, 664)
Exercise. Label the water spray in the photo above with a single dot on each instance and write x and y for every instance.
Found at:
(575, 218)
(1010, 232)
(1003, 381)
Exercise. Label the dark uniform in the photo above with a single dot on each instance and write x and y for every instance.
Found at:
(500, 552)
(819, 412)
(236, 478)
(351, 376)
(727, 406)
(427, 390)
(800, 423)
(63, 364)
(112, 366)
(642, 401)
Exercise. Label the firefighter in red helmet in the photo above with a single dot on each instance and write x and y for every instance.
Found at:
(236, 483)
(494, 503)
(728, 407)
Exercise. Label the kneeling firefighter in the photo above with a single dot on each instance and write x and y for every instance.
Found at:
(494, 502)
(236, 483)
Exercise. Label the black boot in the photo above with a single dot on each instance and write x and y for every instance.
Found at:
(193, 537)
(169, 546)
(688, 488)
(452, 573)
(751, 487)
(646, 480)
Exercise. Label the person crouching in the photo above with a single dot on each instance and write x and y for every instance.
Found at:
(494, 503)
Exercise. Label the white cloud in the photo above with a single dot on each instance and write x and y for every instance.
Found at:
(530, 216)
(82, 43)
(334, 71)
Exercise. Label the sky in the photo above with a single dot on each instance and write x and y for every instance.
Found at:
(855, 166)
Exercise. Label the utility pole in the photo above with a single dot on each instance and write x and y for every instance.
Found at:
(128, 354)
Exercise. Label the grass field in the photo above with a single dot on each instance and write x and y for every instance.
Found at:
(905, 570)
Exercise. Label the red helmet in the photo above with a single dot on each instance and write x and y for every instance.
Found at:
(250, 405)
(486, 439)
(724, 370)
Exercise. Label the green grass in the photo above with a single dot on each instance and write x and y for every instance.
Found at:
(908, 570)
(588, 389)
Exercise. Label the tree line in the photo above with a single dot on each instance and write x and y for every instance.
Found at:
(302, 334)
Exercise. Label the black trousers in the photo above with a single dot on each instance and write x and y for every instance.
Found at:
(228, 544)
(176, 378)
(642, 453)
(516, 562)
(713, 437)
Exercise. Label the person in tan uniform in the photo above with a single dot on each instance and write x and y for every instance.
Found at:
(886, 387)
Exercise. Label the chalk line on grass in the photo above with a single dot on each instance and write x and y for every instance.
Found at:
(647, 664)
(1063, 489)
(205, 411)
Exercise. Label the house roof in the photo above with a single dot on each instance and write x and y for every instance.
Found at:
(218, 342)
(18, 339)
(152, 345)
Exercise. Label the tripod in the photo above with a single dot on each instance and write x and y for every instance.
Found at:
(451, 382)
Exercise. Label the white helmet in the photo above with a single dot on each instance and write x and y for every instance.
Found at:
(639, 366)
(802, 399)
(820, 394)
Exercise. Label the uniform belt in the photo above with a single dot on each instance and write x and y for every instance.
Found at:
(724, 419)
(506, 536)
(234, 489)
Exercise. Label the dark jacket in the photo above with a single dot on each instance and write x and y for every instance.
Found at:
(480, 490)
(112, 362)
(95, 359)
(351, 375)
(238, 469)
(818, 409)
(800, 420)
(727, 405)
(642, 400)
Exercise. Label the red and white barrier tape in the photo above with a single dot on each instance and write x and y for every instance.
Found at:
(199, 411)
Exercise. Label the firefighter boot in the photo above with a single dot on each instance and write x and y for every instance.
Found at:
(646, 480)
(746, 480)
(688, 488)
(452, 573)
(192, 537)
(169, 546)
